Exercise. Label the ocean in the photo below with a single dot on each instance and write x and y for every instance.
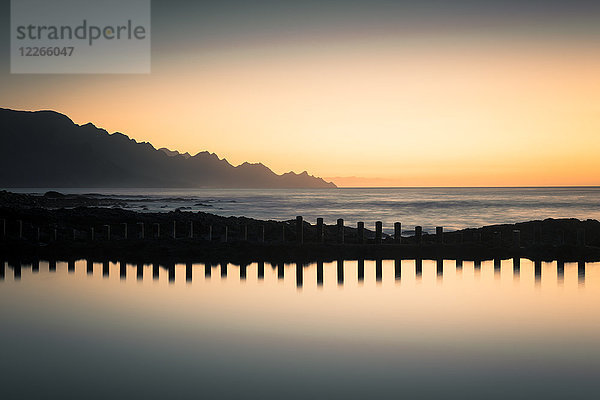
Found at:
(452, 208)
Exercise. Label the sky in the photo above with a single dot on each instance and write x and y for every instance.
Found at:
(363, 93)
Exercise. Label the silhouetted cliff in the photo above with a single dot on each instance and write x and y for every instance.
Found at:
(46, 149)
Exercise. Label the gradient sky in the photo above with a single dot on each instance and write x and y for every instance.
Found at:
(373, 93)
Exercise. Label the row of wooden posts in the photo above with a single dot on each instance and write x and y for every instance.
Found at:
(360, 230)
(35, 266)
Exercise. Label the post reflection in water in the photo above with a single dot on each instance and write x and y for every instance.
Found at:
(419, 268)
(243, 271)
(439, 268)
(155, 271)
(538, 272)
(378, 266)
(497, 268)
(280, 271)
(516, 266)
(319, 273)
(122, 270)
(171, 269)
(581, 272)
(361, 270)
(560, 271)
(299, 275)
(340, 272)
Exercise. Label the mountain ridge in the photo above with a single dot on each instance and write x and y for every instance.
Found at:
(47, 149)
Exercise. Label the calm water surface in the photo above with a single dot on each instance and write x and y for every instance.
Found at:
(330, 331)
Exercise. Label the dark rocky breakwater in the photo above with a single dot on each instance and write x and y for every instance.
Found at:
(74, 226)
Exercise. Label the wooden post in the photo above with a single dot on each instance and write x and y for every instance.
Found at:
(35, 266)
(299, 230)
(243, 271)
(397, 269)
(516, 239)
(340, 228)
(223, 270)
(440, 267)
(124, 230)
(107, 232)
(418, 234)
(191, 229)
(105, 269)
(141, 225)
(55, 234)
(52, 265)
(210, 233)
(89, 267)
(398, 232)
(360, 228)
(2, 269)
(20, 229)
(225, 236)
(283, 232)
(71, 266)
(245, 232)
(207, 270)
(439, 234)
(320, 230)
(378, 231)
(174, 229)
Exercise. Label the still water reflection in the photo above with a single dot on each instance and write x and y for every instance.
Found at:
(343, 329)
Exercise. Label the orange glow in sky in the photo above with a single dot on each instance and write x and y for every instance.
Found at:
(427, 111)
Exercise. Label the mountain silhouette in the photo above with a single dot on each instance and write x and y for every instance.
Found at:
(46, 149)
